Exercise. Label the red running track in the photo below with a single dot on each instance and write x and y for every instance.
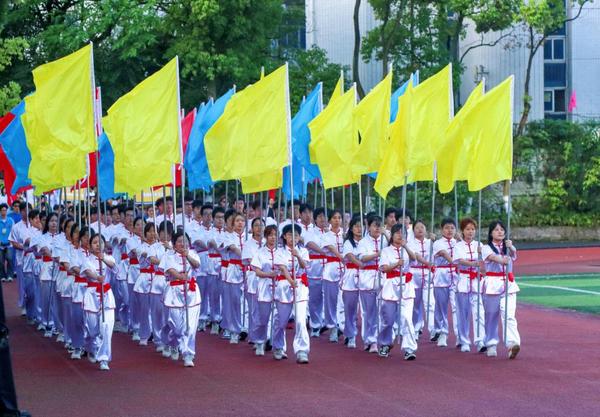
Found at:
(556, 374)
(558, 261)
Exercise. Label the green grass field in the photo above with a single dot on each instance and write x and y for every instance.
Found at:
(579, 292)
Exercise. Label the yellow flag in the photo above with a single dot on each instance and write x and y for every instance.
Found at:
(333, 141)
(265, 181)
(430, 113)
(492, 146)
(59, 121)
(393, 166)
(372, 121)
(455, 153)
(143, 129)
(338, 92)
(251, 136)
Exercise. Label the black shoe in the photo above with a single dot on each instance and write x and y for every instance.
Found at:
(384, 351)
(268, 346)
(435, 337)
(420, 332)
(346, 341)
(482, 349)
(243, 335)
(458, 346)
(409, 356)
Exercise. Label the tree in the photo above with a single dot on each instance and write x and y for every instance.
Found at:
(540, 18)
(356, 52)
(10, 49)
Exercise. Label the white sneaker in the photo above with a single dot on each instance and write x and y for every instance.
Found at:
(175, 354)
(41, 327)
(104, 366)
(226, 334)
(373, 348)
(91, 357)
(48, 333)
(166, 352)
(201, 325)
(234, 339)
(120, 328)
(302, 357)
(465, 348)
(352, 343)
(442, 340)
(333, 335)
(260, 349)
(23, 311)
(491, 351)
(136, 336)
(60, 338)
(188, 361)
(76, 354)
(159, 348)
(143, 342)
(214, 328)
(278, 354)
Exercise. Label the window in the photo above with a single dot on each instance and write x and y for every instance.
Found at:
(555, 75)
(559, 101)
(554, 49)
(555, 102)
(548, 100)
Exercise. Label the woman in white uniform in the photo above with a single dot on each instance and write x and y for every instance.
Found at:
(350, 281)
(181, 294)
(253, 244)
(332, 245)
(499, 255)
(420, 268)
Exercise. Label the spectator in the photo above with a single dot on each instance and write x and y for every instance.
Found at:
(6, 253)
(15, 212)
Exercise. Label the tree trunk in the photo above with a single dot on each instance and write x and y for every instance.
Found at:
(356, 55)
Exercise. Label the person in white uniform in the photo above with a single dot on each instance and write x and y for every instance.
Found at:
(251, 247)
(332, 244)
(420, 268)
(499, 255)
(350, 281)
(313, 242)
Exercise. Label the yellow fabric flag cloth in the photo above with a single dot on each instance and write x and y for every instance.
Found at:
(372, 122)
(338, 92)
(143, 129)
(491, 120)
(393, 166)
(333, 141)
(251, 136)
(430, 113)
(455, 155)
(59, 121)
(264, 181)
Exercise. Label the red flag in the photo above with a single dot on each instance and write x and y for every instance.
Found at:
(5, 165)
(572, 102)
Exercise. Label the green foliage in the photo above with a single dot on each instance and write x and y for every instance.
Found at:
(10, 49)
(561, 160)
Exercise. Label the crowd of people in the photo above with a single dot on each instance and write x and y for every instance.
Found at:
(241, 275)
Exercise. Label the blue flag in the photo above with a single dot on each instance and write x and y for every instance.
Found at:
(106, 168)
(15, 147)
(195, 157)
(396, 95)
(304, 171)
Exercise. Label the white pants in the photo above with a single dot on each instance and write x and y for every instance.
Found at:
(428, 311)
(97, 341)
(494, 312)
(283, 312)
(177, 335)
(477, 321)
(453, 308)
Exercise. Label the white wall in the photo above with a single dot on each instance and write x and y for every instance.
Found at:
(500, 61)
(584, 42)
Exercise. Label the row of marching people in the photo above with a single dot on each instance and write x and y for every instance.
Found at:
(239, 278)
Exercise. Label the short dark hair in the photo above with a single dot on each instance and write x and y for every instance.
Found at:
(318, 211)
(4, 205)
(197, 203)
(391, 210)
(205, 207)
(305, 207)
(447, 220)
(218, 210)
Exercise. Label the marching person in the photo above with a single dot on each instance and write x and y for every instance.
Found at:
(234, 279)
(181, 294)
(143, 283)
(80, 252)
(98, 304)
(397, 288)
(443, 250)
(313, 242)
(369, 284)
(332, 245)
(263, 264)
(132, 249)
(350, 281)
(30, 280)
(46, 248)
(420, 268)
(158, 311)
(213, 269)
(253, 244)
(291, 295)
(466, 254)
(16, 238)
(499, 255)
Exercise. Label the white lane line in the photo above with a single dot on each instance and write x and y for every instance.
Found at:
(554, 287)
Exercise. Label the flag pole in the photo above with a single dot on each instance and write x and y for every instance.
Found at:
(154, 212)
(429, 278)
(185, 243)
(416, 197)
(402, 255)
(508, 270)
(455, 204)
(479, 258)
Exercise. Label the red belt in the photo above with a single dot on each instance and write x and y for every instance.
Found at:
(471, 274)
(332, 259)
(97, 286)
(62, 268)
(224, 264)
(80, 280)
(303, 278)
(316, 256)
(237, 262)
(371, 268)
(38, 258)
(124, 256)
(47, 258)
(147, 271)
(396, 274)
(191, 283)
(214, 255)
(511, 276)
(134, 261)
(351, 265)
